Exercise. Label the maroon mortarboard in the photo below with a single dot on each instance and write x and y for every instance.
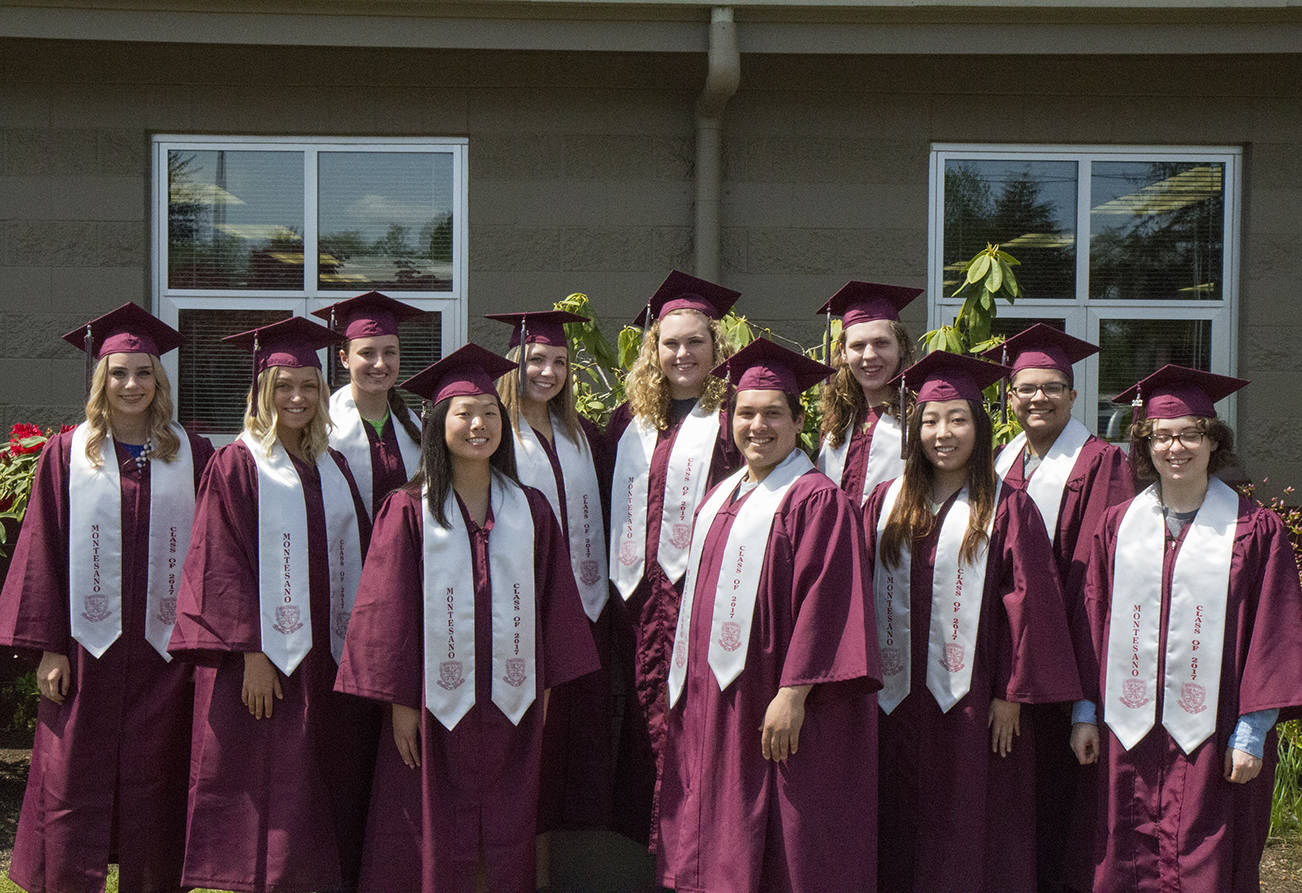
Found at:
(128, 329)
(941, 376)
(765, 366)
(680, 291)
(538, 326)
(290, 342)
(858, 302)
(1173, 392)
(1042, 347)
(367, 316)
(466, 372)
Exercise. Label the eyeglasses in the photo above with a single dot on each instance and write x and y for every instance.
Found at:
(1190, 440)
(1053, 390)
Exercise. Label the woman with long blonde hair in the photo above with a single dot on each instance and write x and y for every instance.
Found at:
(280, 779)
(970, 624)
(92, 587)
(861, 413)
(555, 452)
(670, 442)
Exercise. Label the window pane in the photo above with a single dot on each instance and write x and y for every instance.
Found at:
(215, 376)
(1157, 230)
(1028, 207)
(1008, 326)
(234, 219)
(385, 221)
(1131, 349)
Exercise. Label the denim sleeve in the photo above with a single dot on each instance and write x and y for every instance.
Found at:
(1250, 731)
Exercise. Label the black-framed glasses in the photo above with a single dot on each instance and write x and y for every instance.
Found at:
(1053, 390)
(1190, 440)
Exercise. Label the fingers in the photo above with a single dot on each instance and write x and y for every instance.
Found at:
(275, 687)
(408, 747)
(1241, 767)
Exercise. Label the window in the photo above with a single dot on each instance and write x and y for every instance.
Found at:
(1134, 249)
(248, 230)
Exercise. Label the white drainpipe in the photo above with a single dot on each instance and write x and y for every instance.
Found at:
(721, 83)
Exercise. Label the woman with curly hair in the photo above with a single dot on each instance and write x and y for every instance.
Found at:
(280, 777)
(1192, 593)
(372, 425)
(670, 443)
(92, 586)
(861, 412)
(971, 625)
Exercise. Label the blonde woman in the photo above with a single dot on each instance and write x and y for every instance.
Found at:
(861, 413)
(278, 800)
(670, 443)
(92, 587)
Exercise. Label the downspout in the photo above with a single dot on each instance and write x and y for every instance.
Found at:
(721, 82)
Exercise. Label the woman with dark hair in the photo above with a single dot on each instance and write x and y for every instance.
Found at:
(971, 625)
(372, 425)
(92, 587)
(669, 444)
(467, 615)
(1198, 663)
(279, 774)
(861, 412)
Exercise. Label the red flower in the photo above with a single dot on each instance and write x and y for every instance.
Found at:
(22, 431)
(65, 428)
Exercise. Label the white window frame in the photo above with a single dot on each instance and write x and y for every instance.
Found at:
(168, 302)
(1082, 313)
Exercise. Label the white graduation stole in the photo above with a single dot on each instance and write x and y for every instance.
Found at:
(448, 587)
(738, 585)
(689, 467)
(1195, 628)
(956, 594)
(95, 543)
(349, 437)
(582, 504)
(884, 462)
(1046, 485)
(284, 574)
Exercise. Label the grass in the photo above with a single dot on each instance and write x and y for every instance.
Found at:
(8, 886)
(1286, 805)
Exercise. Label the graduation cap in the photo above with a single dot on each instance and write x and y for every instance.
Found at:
(859, 301)
(367, 316)
(538, 326)
(765, 366)
(467, 371)
(1173, 392)
(680, 291)
(1042, 347)
(942, 376)
(290, 342)
(126, 329)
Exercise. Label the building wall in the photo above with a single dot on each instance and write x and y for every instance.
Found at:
(581, 169)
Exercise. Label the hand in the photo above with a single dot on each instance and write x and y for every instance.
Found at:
(53, 675)
(1085, 742)
(261, 685)
(780, 734)
(1005, 722)
(406, 734)
(1240, 767)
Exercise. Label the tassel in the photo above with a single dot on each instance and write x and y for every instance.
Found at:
(1003, 388)
(1137, 407)
(904, 422)
(524, 349)
(90, 358)
(827, 340)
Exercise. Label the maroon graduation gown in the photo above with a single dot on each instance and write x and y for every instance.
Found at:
(856, 455)
(1065, 790)
(276, 803)
(477, 785)
(109, 764)
(952, 815)
(731, 820)
(575, 787)
(1168, 820)
(644, 633)
(387, 471)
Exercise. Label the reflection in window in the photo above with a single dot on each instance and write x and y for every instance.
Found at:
(1134, 348)
(385, 220)
(234, 219)
(1157, 230)
(1028, 207)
